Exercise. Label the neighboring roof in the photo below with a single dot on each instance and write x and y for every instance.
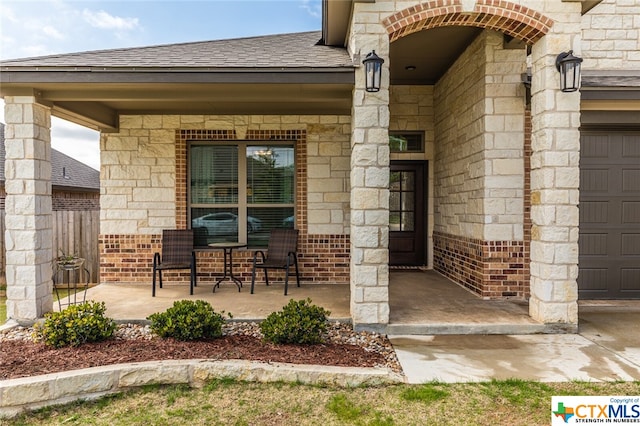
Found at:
(66, 172)
(297, 50)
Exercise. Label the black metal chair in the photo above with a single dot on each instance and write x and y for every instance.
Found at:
(177, 253)
(281, 254)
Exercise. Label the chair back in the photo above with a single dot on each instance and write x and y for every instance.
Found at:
(281, 243)
(177, 245)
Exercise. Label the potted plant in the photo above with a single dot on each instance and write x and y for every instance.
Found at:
(69, 261)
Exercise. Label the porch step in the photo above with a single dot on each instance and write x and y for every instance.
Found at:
(461, 329)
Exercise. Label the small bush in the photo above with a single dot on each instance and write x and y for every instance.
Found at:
(188, 320)
(77, 324)
(298, 322)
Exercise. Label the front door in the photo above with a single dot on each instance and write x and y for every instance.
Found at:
(407, 213)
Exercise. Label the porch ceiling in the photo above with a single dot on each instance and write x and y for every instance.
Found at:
(423, 57)
(98, 104)
(275, 74)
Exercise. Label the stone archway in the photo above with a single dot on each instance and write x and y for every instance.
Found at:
(512, 19)
(555, 135)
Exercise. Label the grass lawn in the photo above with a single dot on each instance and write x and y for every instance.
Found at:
(227, 402)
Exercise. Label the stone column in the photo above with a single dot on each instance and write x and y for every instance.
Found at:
(369, 229)
(554, 181)
(28, 220)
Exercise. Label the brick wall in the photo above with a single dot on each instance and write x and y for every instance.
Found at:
(492, 269)
(73, 200)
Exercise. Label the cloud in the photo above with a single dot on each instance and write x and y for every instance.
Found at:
(313, 7)
(52, 32)
(104, 20)
(8, 14)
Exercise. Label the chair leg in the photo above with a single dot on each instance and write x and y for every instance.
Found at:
(253, 275)
(286, 278)
(295, 264)
(195, 269)
(153, 285)
(191, 281)
(266, 275)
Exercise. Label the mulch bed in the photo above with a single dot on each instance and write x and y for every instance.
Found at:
(25, 358)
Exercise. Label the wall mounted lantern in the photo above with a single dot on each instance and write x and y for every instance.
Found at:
(373, 71)
(569, 68)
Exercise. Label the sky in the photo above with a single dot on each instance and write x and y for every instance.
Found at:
(37, 28)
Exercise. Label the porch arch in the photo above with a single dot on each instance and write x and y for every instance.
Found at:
(512, 19)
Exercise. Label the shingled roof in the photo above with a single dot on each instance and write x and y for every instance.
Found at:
(296, 50)
(66, 172)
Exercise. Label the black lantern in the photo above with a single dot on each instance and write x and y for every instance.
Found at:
(569, 67)
(373, 71)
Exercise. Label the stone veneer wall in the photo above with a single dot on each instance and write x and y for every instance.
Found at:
(411, 109)
(480, 172)
(322, 143)
(611, 36)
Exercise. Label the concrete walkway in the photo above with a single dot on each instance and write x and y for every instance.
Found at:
(607, 348)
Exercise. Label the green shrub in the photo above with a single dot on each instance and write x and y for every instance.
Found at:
(298, 322)
(75, 325)
(188, 320)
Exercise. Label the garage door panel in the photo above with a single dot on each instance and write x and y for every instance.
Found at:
(631, 212)
(609, 243)
(631, 146)
(630, 245)
(594, 212)
(595, 180)
(593, 279)
(630, 180)
(593, 244)
(594, 146)
(630, 281)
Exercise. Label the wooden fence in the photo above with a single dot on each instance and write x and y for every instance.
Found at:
(74, 232)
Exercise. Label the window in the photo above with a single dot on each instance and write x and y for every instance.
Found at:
(238, 192)
(406, 141)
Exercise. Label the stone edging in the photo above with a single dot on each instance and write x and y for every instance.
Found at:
(29, 393)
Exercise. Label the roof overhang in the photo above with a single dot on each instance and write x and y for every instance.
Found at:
(95, 98)
(587, 5)
(336, 19)
(613, 90)
(336, 15)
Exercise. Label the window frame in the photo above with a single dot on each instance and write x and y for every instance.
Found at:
(242, 205)
(401, 133)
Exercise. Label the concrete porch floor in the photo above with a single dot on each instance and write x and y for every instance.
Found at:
(439, 330)
(421, 302)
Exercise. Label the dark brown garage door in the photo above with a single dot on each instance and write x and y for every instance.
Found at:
(609, 215)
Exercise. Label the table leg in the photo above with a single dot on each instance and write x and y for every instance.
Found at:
(229, 265)
(233, 278)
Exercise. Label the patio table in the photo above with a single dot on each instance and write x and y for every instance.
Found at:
(228, 247)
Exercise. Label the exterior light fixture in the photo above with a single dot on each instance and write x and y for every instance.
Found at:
(569, 68)
(373, 71)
